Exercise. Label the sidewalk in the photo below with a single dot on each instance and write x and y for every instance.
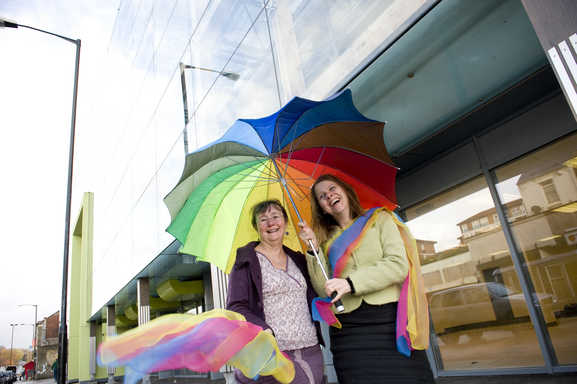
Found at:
(41, 381)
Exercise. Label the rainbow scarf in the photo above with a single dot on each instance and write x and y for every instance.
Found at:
(412, 310)
(201, 343)
(339, 249)
(412, 325)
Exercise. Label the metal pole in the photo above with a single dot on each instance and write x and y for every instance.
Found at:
(185, 107)
(63, 331)
(12, 342)
(338, 304)
(35, 350)
(229, 75)
(34, 341)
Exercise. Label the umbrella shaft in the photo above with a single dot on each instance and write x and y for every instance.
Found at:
(318, 259)
(283, 182)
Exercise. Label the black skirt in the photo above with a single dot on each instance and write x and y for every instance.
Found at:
(364, 349)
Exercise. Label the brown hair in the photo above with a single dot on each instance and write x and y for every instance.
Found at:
(323, 223)
(264, 206)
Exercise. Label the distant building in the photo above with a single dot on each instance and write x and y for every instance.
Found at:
(47, 344)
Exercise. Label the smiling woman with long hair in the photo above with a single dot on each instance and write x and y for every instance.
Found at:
(369, 285)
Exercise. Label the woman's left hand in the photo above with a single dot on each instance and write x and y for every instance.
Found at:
(340, 286)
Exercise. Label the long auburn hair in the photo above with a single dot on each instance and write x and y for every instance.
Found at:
(323, 223)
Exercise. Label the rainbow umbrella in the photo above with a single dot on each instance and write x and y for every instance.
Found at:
(278, 156)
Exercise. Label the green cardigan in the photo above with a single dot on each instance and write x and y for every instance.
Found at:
(377, 267)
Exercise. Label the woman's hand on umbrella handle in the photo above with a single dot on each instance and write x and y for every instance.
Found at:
(308, 235)
(340, 286)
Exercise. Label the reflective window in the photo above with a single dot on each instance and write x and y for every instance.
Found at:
(319, 43)
(243, 47)
(543, 185)
(478, 310)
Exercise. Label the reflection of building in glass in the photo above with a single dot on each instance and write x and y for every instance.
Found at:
(426, 249)
(544, 221)
(549, 186)
(543, 224)
(487, 220)
(449, 268)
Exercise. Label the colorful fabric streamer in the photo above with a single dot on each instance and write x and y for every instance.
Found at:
(403, 340)
(412, 310)
(321, 309)
(200, 343)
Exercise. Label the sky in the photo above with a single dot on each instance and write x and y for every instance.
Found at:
(36, 77)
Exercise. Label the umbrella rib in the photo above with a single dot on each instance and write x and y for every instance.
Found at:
(255, 167)
(293, 186)
(296, 192)
(292, 142)
(272, 172)
(318, 161)
(234, 161)
(290, 151)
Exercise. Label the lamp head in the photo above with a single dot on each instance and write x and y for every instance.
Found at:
(231, 76)
(5, 23)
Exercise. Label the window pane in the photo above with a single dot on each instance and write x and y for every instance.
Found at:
(478, 311)
(318, 43)
(544, 186)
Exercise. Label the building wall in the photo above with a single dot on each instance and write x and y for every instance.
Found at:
(47, 345)
(52, 322)
(279, 49)
(285, 49)
(79, 352)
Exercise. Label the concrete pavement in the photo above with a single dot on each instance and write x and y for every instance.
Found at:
(40, 381)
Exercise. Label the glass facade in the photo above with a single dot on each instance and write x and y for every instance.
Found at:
(544, 186)
(479, 308)
(478, 312)
(275, 49)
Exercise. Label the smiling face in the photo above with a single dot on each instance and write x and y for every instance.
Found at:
(332, 199)
(271, 225)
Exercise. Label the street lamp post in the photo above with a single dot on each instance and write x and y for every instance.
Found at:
(229, 75)
(62, 332)
(12, 341)
(35, 346)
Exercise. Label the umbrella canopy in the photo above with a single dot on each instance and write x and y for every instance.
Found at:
(276, 157)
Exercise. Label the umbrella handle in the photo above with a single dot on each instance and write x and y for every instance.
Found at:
(338, 304)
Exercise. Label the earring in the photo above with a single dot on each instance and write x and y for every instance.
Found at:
(286, 233)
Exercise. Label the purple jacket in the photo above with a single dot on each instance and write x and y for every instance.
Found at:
(245, 285)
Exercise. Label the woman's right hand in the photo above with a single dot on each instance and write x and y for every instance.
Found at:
(306, 234)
